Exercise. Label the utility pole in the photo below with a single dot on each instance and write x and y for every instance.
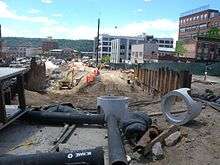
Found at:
(97, 44)
(0, 41)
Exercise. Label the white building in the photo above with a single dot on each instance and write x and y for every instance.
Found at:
(105, 45)
(141, 53)
(121, 49)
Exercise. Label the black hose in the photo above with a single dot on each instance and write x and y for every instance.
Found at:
(117, 154)
(80, 157)
(68, 118)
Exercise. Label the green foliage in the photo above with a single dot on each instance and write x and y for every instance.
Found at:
(105, 59)
(180, 49)
(213, 33)
(80, 45)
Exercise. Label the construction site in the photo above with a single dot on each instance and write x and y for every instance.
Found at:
(76, 114)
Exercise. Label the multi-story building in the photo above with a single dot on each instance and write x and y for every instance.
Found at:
(121, 51)
(121, 48)
(197, 21)
(49, 44)
(193, 29)
(165, 42)
(144, 52)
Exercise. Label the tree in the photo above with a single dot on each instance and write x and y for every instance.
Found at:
(105, 59)
(180, 49)
(213, 33)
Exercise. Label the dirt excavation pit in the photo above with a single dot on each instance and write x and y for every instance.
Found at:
(199, 141)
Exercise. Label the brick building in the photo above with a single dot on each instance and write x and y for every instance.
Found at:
(203, 48)
(193, 29)
(197, 21)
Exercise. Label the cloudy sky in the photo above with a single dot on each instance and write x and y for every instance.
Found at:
(77, 19)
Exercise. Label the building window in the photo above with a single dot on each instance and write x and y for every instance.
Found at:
(167, 42)
(161, 41)
(105, 43)
(182, 29)
(212, 14)
(202, 16)
(105, 49)
(105, 39)
(140, 54)
(203, 26)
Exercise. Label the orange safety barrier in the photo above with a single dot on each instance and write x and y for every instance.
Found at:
(90, 78)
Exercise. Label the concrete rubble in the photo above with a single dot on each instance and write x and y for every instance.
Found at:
(173, 139)
(157, 151)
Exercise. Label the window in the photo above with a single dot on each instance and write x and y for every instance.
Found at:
(105, 49)
(182, 29)
(161, 41)
(140, 54)
(202, 16)
(105, 39)
(203, 26)
(212, 14)
(167, 42)
(105, 43)
(122, 47)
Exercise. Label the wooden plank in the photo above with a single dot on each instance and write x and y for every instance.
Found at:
(164, 81)
(175, 80)
(159, 80)
(169, 88)
(161, 137)
(148, 78)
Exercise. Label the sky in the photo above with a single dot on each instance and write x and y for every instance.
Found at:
(77, 19)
